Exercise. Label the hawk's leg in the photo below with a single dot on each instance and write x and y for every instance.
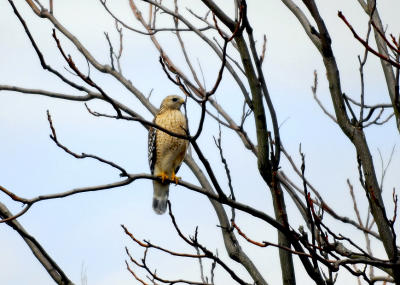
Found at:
(163, 176)
(175, 178)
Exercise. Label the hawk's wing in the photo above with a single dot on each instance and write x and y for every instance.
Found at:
(152, 153)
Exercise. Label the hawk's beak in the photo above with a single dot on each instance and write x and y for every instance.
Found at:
(182, 101)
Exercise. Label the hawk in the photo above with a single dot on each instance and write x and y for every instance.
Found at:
(165, 152)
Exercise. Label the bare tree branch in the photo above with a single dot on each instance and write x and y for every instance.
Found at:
(55, 272)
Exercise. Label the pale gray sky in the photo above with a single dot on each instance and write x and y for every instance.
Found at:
(84, 229)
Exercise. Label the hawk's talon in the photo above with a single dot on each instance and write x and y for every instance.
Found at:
(175, 178)
(163, 176)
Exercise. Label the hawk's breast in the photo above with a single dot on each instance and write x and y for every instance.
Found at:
(174, 121)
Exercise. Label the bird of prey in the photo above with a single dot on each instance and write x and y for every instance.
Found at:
(165, 152)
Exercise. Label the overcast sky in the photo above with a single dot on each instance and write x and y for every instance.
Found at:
(82, 232)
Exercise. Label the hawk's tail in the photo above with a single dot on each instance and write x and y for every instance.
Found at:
(160, 197)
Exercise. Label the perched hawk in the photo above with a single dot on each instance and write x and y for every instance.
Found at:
(166, 152)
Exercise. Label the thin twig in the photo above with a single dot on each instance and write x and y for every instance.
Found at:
(314, 92)
(53, 136)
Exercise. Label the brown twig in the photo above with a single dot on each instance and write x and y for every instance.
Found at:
(322, 202)
(314, 92)
(354, 203)
(365, 44)
(151, 31)
(266, 243)
(39, 53)
(264, 47)
(144, 265)
(181, 43)
(133, 274)
(313, 223)
(226, 166)
(194, 243)
(147, 244)
(140, 120)
(395, 48)
(85, 78)
(111, 50)
(375, 121)
(53, 136)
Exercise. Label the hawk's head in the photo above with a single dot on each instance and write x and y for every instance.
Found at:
(172, 102)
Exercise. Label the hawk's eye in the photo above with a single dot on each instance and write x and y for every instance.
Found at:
(175, 99)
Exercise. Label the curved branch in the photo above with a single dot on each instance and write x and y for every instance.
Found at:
(13, 217)
(302, 18)
(43, 13)
(366, 45)
(89, 96)
(154, 31)
(42, 256)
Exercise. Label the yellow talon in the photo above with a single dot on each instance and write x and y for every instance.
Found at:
(175, 178)
(163, 176)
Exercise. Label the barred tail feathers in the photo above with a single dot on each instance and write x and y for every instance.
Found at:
(160, 197)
